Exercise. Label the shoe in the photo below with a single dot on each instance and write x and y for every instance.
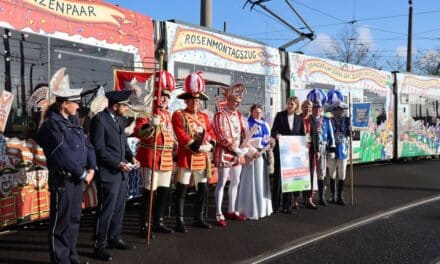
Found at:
(201, 224)
(287, 211)
(322, 202)
(311, 206)
(180, 225)
(143, 233)
(220, 220)
(76, 260)
(161, 228)
(235, 216)
(296, 206)
(341, 201)
(120, 244)
(101, 254)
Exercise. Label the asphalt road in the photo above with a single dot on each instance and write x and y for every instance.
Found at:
(405, 237)
(411, 236)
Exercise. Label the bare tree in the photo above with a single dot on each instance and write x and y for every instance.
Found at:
(350, 48)
(428, 62)
(395, 63)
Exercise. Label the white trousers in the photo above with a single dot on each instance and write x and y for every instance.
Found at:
(233, 174)
(184, 176)
(160, 179)
(339, 166)
(321, 163)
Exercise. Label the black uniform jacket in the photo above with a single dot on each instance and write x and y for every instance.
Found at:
(110, 142)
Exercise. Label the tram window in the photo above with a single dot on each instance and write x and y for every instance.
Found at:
(23, 68)
(255, 84)
(88, 66)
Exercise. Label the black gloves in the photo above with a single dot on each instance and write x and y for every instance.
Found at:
(195, 146)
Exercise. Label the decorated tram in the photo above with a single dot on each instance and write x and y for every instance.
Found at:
(104, 47)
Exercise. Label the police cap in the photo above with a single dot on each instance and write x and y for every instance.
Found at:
(118, 97)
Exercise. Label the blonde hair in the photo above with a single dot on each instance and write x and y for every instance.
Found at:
(306, 102)
(295, 100)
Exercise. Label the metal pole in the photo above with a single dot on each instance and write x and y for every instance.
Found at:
(206, 13)
(351, 151)
(409, 46)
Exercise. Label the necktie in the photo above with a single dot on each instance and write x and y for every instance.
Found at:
(117, 124)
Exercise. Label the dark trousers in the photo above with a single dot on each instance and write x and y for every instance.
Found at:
(111, 209)
(277, 195)
(276, 188)
(65, 215)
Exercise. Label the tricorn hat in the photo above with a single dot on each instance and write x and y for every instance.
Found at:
(194, 87)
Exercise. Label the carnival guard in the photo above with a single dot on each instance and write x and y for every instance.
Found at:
(70, 160)
(195, 138)
(341, 131)
(326, 139)
(163, 141)
(231, 129)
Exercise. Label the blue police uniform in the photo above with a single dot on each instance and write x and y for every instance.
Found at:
(69, 155)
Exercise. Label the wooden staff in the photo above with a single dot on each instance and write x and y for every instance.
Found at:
(156, 130)
(351, 151)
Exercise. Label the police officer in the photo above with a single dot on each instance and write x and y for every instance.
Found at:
(70, 160)
(114, 160)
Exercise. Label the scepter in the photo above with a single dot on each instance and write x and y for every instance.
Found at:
(158, 84)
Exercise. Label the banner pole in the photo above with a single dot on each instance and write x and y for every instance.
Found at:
(351, 150)
(156, 130)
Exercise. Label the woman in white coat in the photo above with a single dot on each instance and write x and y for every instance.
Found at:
(254, 198)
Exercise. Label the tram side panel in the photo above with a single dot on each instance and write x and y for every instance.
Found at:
(362, 87)
(418, 127)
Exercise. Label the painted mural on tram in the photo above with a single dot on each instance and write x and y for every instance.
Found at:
(361, 87)
(90, 40)
(418, 127)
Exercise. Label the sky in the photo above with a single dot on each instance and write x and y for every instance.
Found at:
(382, 24)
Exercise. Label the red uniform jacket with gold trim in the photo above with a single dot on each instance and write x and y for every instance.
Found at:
(164, 143)
(188, 128)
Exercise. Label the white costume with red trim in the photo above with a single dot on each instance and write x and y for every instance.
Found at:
(230, 128)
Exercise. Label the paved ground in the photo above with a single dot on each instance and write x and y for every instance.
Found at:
(378, 189)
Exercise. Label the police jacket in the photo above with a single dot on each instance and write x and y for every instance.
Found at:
(110, 142)
(66, 147)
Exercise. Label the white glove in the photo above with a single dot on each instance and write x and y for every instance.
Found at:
(240, 151)
(205, 148)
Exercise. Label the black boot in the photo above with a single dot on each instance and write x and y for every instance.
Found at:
(199, 206)
(143, 214)
(341, 193)
(159, 206)
(321, 193)
(180, 204)
(333, 190)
